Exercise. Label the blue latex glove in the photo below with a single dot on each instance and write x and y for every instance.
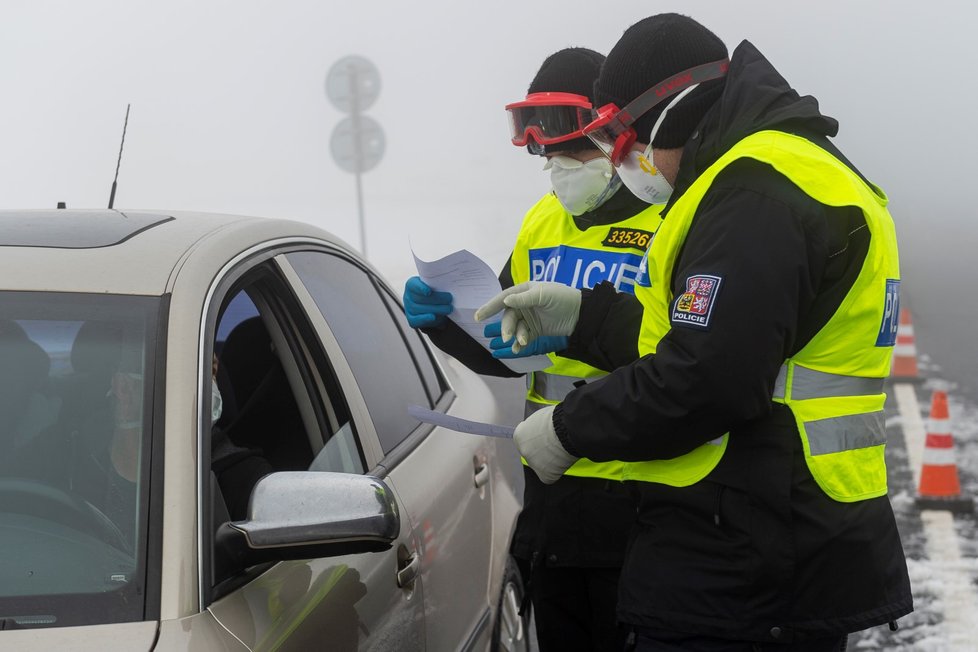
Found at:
(504, 350)
(423, 306)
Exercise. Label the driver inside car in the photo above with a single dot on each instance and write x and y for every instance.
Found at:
(238, 468)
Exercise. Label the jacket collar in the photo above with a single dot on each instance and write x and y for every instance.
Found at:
(755, 98)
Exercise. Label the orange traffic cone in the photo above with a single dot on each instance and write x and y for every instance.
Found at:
(940, 487)
(904, 368)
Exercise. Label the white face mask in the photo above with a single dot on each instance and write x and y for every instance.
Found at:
(637, 171)
(217, 403)
(644, 179)
(582, 186)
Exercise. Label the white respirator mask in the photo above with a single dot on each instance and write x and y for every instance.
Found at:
(582, 186)
(637, 171)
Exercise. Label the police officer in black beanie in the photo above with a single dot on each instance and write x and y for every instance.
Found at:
(749, 408)
(570, 537)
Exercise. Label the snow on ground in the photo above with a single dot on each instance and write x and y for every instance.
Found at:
(944, 570)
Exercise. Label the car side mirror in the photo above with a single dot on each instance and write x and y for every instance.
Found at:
(307, 514)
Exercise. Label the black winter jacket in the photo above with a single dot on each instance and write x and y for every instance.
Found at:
(755, 551)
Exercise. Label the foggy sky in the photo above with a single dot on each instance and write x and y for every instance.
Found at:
(229, 112)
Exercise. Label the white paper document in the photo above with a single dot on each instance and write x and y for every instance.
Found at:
(472, 284)
(458, 424)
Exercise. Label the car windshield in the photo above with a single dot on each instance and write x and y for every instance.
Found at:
(76, 399)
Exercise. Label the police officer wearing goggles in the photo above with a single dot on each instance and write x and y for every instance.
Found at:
(750, 417)
(570, 537)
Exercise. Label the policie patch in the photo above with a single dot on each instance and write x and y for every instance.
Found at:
(891, 314)
(694, 306)
(627, 238)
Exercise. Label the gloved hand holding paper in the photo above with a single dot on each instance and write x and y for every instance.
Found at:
(472, 283)
(505, 349)
(534, 309)
(423, 307)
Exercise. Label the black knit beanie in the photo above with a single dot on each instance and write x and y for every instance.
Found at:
(571, 70)
(651, 51)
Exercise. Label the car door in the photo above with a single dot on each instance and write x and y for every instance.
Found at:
(441, 475)
(284, 409)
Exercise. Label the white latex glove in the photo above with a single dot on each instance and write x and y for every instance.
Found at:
(538, 444)
(534, 309)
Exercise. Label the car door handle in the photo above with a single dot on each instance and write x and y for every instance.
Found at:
(408, 571)
(481, 475)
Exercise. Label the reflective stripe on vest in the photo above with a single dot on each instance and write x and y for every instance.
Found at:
(845, 433)
(834, 434)
(529, 407)
(808, 383)
(551, 247)
(833, 386)
(553, 387)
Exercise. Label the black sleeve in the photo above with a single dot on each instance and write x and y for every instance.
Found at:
(606, 335)
(450, 338)
(704, 379)
(506, 275)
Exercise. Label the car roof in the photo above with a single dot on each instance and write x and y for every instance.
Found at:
(127, 252)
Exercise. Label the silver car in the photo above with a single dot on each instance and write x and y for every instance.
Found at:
(205, 445)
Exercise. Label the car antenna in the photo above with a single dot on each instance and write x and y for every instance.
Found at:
(119, 162)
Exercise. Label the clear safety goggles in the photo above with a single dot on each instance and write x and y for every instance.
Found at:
(548, 118)
(611, 131)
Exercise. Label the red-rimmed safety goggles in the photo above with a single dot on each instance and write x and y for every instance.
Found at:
(548, 118)
(612, 132)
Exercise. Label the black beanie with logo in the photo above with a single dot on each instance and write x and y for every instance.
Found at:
(571, 70)
(651, 51)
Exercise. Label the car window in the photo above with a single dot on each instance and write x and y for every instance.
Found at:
(280, 405)
(340, 451)
(422, 357)
(239, 308)
(76, 406)
(363, 324)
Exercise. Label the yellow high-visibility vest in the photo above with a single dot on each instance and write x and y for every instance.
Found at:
(551, 248)
(834, 385)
